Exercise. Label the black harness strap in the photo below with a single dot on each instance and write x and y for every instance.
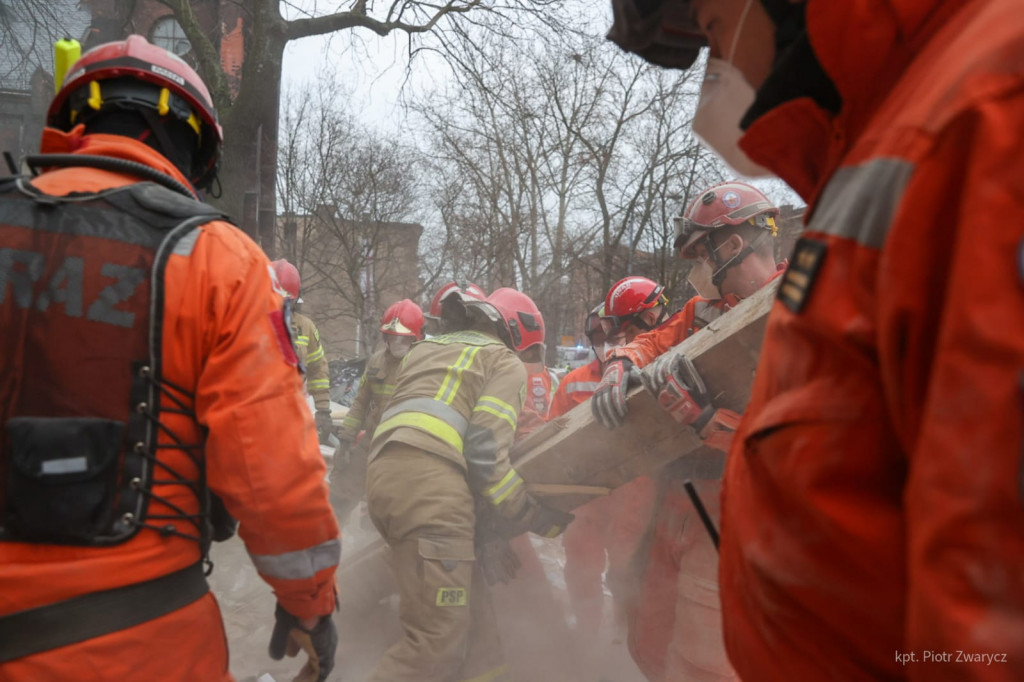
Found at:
(100, 613)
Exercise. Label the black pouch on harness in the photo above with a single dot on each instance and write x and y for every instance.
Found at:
(62, 478)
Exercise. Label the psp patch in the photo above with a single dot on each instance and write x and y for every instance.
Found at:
(452, 596)
(808, 255)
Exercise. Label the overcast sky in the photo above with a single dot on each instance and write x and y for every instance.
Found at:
(374, 71)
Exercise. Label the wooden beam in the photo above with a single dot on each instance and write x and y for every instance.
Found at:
(575, 450)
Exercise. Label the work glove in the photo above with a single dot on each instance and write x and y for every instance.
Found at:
(674, 381)
(609, 401)
(497, 560)
(320, 643)
(678, 386)
(548, 522)
(324, 425)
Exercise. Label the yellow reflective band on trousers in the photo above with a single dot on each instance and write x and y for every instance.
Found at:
(453, 379)
(504, 487)
(492, 675)
(319, 383)
(424, 422)
(499, 408)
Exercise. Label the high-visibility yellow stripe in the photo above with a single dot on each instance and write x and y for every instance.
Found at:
(469, 337)
(497, 407)
(316, 355)
(453, 378)
(492, 675)
(500, 491)
(424, 422)
(303, 338)
(382, 389)
(320, 383)
(501, 498)
(351, 422)
(490, 410)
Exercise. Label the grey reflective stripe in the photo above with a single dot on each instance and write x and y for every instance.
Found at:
(860, 202)
(299, 565)
(434, 408)
(582, 386)
(187, 243)
(481, 453)
(69, 465)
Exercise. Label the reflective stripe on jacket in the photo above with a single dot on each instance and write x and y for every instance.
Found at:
(873, 499)
(222, 330)
(458, 396)
(310, 350)
(575, 387)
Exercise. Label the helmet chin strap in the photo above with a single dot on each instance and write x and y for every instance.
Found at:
(722, 269)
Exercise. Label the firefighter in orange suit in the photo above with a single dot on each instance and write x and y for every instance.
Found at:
(310, 349)
(675, 628)
(441, 445)
(180, 382)
(872, 500)
(632, 306)
(401, 326)
(586, 539)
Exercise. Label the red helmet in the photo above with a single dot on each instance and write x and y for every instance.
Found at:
(522, 318)
(165, 84)
(729, 203)
(471, 290)
(403, 318)
(628, 299)
(288, 277)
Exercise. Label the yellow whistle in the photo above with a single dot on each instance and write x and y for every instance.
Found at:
(65, 53)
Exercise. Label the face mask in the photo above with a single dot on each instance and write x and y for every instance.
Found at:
(700, 279)
(725, 96)
(398, 346)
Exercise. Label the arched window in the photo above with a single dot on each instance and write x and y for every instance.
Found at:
(168, 34)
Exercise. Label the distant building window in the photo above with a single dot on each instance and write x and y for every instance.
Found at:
(168, 34)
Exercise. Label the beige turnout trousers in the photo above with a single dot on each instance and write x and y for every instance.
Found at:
(422, 506)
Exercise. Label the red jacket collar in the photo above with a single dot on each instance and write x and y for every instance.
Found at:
(76, 141)
(864, 47)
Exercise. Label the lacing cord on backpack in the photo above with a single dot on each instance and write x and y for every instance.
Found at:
(198, 487)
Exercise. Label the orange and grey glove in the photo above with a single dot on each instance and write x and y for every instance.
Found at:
(681, 391)
(609, 400)
(320, 642)
(674, 381)
(324, 425)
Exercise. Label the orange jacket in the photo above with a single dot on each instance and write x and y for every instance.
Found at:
(697, 313)
(872, 501)
(262, 458)
(575, 388)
